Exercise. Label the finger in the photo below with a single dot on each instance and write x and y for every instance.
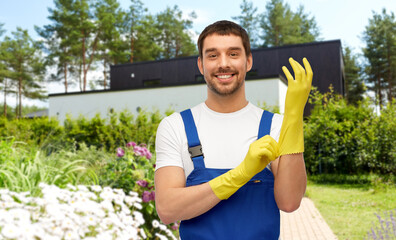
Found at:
(298, 73)
(308, 69)
(288, 75)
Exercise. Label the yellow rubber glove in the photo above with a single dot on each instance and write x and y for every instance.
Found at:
(261, 152)
(291, 139)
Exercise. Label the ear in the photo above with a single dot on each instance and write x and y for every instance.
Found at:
(249, 63)
(200, 65)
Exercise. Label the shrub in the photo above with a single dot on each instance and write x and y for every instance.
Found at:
(339, 138)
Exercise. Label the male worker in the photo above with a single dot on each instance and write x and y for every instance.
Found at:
(219, 169)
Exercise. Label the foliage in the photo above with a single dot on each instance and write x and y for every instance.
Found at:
(354, 85)
(74, 213)
(342, 138)
(25, 67)
(380, 53)
(281, 26)
(248, 20)
(23, 167)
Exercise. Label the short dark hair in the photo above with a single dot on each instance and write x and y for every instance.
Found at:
(222, 28)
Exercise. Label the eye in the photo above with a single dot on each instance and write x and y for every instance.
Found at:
(212, 55)
(234, 54)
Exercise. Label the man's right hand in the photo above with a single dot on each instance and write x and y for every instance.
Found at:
(261, 153)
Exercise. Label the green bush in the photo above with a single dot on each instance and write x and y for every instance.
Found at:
(348, 139)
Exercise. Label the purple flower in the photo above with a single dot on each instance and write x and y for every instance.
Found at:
(120, 152)
(142, 183)
(131, 144)
(148, 196)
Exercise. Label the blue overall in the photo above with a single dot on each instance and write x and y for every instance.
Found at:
(250, 213)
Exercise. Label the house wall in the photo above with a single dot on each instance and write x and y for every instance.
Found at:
(88, 104)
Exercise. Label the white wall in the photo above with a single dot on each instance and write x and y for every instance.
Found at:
(271, 91)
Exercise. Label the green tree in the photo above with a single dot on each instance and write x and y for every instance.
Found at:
(109, 17)
(147, 47)
(280, 25)
(248, 20)
(175, 38)
(26, 66)
(380, 53)
(4, 71)
(354, 85)
(58, 43)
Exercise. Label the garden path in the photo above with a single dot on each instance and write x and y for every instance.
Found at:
(306, 223)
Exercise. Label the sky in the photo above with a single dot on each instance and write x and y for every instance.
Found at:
(336, 19)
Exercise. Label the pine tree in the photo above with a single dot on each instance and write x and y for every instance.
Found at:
(281, 26)
(249, 21)
(354, 86)
(380, 53)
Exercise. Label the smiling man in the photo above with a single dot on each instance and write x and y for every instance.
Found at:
(225, 167)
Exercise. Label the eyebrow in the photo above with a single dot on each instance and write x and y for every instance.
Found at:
(229, 49)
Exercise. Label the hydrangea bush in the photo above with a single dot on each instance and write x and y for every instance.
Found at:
(78, 212)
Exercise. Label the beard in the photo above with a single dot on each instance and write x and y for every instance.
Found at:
(225, 89)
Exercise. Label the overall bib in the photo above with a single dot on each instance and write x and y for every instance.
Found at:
(250, 213)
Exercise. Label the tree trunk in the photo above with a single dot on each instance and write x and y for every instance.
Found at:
(132, 48)
(20, 97)
(83, 63)
(5, 97)
(104, 75)
(65, 74)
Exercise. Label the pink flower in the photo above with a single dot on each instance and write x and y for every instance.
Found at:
(142, 183)
(148, 196)
(120, 152)
(131, 144)
(175, 226)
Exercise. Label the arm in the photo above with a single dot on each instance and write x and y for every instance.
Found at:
(289, 170)
(176, 202)
(290, 181)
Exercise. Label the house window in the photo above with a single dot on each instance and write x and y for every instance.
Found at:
(152, 82)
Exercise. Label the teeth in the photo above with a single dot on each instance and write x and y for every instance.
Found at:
(224, 76)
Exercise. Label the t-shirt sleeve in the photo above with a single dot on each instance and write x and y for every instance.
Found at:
(276, 126)
(168, 143)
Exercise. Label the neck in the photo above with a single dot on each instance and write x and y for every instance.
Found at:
(226, 104)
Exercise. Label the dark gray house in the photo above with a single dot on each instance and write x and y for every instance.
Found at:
(177, 83)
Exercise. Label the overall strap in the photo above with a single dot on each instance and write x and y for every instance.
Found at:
(265, 124)
(194, 145)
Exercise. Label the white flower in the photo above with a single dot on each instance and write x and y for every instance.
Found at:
(71, 235)
(161, 237)
(90, 220)
(71, 187)
(144, 236)
(20, 215)
(155, 223)
(10, 231)
(96, 188)
(138, 206)
(133, 194)
(82, 188)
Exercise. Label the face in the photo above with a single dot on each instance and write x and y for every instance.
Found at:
(224, 63)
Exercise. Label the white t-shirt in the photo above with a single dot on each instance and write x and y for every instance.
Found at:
(225, 137)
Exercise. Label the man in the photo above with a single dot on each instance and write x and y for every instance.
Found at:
(212, 173)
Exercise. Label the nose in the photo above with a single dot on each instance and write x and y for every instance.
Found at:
(224, 61)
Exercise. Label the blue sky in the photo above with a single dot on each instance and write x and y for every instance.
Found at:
(337, 19)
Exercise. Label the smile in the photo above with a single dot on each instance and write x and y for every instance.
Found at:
(225, 76)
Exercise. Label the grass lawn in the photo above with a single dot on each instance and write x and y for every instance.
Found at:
(350, 209)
